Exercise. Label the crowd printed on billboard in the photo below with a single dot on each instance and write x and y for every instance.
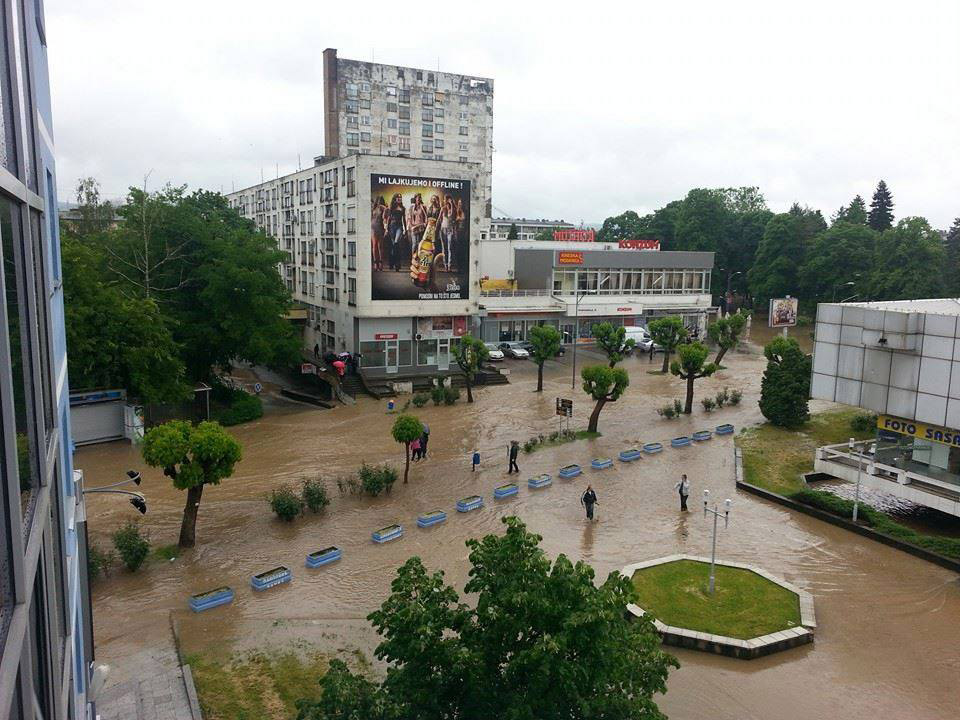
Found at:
(419, 238)
(783, 312)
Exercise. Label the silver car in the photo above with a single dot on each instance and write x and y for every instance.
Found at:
(514, 349)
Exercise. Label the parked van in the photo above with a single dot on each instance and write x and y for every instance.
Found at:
(640, 336)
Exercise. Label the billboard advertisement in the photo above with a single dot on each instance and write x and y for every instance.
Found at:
(783, 312)
(419, 238)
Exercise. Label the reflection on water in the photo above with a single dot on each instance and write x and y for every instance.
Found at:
(888, 637)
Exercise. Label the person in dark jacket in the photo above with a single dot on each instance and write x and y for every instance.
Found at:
(424, 439)
(588, 500)
(512, 453)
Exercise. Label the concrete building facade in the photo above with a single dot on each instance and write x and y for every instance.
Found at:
(526, 229)
(45, 619)
(900, 360)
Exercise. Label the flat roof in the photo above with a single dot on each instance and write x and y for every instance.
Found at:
(937, 306)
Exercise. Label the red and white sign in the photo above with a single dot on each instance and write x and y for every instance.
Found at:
(569, 258)
(625, 309)
(308, 369)
(640, 244)
(385, 336)
(573, 235)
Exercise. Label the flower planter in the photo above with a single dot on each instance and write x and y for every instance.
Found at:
(725, 429)
(702, 435)
(651, 448)
(469, 503)
(601, 463)
(271, 578)
(388, 533)
(505, 491)
(681, 441)
(324, 557)
(570, 471)
(431, 518)
(211, 599)
(631, 455)
(540, 481)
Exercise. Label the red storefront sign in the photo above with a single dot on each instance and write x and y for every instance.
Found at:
(640, 244)
(385, 336)
(573, 235)
(569, 258)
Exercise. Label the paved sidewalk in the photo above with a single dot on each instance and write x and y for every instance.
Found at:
(156, 692)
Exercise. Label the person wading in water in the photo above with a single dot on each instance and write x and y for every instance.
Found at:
(588, 500)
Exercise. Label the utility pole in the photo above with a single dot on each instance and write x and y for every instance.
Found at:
(716, 514)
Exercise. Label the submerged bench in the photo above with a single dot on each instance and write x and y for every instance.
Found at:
(323, 557)
(540, 481)
(681, 441)
(469, 503)
(505, 491)
(702, 435)
(431, 518)
(724, 429)
(388, 533)
(570, 471)
(271, 578)
(631, 455)
(211, 599)
(651, 448)
(601, 463)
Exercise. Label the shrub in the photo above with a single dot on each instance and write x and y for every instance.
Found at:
(708, 404)
(375, 479)
(736, 396)
(553, 436)
(314, 494)
(98, 561)
(438, 394)
(528, 446)
(421, 399)
(243, 407)
(349, 485)
(285, 503)
(722, 398)
(863, 422)
(451, 395)
(667, 411)
(677, 407)
(131, 545)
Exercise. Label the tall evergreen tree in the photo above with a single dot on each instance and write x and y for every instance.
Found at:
(952, 264)
(857, 212)
(880, 217)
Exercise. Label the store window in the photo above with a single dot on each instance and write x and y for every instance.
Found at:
(426, 352)
(404, 352)
(374, 354)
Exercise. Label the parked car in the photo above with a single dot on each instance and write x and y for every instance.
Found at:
(514, 349)
(528, 346)
(641, 337)
(494, 354)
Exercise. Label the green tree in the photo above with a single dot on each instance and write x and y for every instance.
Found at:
(668, 332)
(785, 387)
(779, 256)
(406, 429)
(835, 257)
(810, 223)
(855, 214)
(738, 251)
(880, 217)
(625, 226)
(603, 384)
(542, 640)
(743, 200)
(951, 267)
(192, 456)
(544, 235)
(905, 262)
(613, 341)
(690, 366)
(512, 232)
(546, 341)
(470, 353)
(96, 215)
(725, 332)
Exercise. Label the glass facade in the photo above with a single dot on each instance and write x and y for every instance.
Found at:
(617, 281)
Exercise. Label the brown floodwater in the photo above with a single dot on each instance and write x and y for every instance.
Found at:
(888, 640)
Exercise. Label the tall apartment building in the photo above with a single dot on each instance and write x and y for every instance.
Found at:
(376, 109)
(45, 620)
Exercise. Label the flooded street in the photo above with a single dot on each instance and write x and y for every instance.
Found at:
(888, 640)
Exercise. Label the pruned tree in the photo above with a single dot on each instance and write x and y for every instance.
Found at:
(406, 429)
(603, 384)
(668, 332)
(546, 341)
(690, 366)
(725, 332)
(470, 353)
(613, 341)
(193, 456)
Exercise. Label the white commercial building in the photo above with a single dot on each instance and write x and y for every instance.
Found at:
(526, 228)
(901, 360)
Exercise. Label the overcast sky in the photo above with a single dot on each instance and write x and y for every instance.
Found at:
(599, 107)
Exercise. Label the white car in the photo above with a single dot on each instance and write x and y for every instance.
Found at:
(640, 336)
(494, 353)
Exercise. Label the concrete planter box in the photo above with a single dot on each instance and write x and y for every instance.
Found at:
(324, 557)
(652, 448)
(601, 463)
(681, 441)
(725, 429)
(505, 491)
(388, 533)
(570, 471)
(631, 455)
(271, 578)
(211, 599)
(540, 481)
(467, 504)
(702, 435)
(431, 518)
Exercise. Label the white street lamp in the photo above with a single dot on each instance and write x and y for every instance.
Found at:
(726, 519)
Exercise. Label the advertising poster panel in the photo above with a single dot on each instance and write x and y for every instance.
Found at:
(419, 238)
(783, 312)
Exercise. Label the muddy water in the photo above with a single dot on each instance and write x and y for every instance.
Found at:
(888, 641)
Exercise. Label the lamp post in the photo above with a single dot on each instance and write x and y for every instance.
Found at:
(855, 295)
(576, 327)
(716, 514)
(849, 283)
(856, 499)
(136, 498)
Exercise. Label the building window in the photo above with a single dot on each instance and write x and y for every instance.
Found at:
(352, 106)
(438, 128)
(404, 113)
(438, 143)
(463, 159)
(391, 123)
(365, 137)
(364, 119)
(404, 144)
(427, 130)
(427, 98)
(391, 107)
(462, 147)
(353, 138)
(351, 90)
(352, 291)
(463, 129)
(438, 112)
(404, 96)
(427, 115)
(374, 353)
(404, 127)
(392, 90)
(351, 183)
(427, 147)
(352, 122)
(464, 100)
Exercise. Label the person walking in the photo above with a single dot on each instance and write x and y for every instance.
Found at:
(415, 449)
(588, 500)
(316, 350)
(512, 453)
(683, 487)
(424, 439)
(476, 460)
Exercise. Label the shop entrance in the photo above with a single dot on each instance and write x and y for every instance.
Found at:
(392, 356)
(443, 354)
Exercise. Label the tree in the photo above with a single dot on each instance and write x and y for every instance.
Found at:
(906, 262)
(544, 235)
(193, 456)
(604, 385)
(613, 341)
(625, 226)
(406, 429)
(811, 222)
(880, 217)
(951, 268)
(744, 200)
(512, 232)
(689, 366)
(855, 214)
(835, 257)
(470, 354)
(725, 332)
(778, 259)
(541, 640)
(546, 345)
(785, 387)
(667, 332)
(96, 216)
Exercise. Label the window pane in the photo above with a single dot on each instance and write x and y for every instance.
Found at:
(8, 147)
(373, 354)
(42, 311)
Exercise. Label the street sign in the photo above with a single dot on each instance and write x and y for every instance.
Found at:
(564, 407)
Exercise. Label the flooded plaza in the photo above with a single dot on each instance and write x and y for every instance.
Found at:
(888, 636)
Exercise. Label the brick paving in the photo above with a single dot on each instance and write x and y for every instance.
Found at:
(155, 692)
